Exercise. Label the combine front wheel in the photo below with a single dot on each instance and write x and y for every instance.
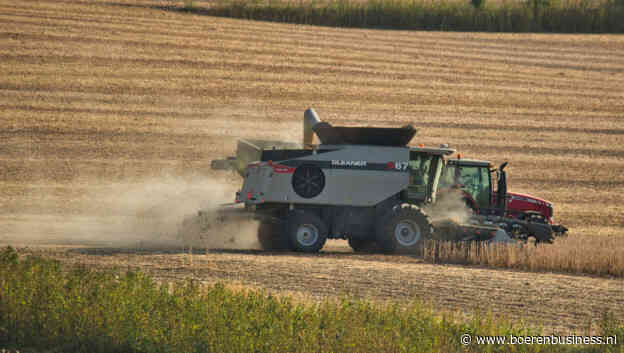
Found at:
(404, 230)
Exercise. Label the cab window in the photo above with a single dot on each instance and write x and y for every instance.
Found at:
(422, 167)
(476, 181)
(447, 179)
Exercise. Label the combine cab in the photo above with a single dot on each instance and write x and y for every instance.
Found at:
(362, 184)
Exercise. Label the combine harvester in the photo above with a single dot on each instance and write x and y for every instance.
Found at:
(363, 184)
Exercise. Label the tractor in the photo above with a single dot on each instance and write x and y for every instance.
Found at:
(476, 179)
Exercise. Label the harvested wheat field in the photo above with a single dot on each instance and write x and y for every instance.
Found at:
(111, 110)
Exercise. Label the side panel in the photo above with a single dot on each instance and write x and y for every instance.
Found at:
(256, 183)
(354, 176)
(362, 187)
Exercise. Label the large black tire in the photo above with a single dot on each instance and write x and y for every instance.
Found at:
(271, 237)
(363, 245)
(533, 217)
(403, 230)
(306, 232)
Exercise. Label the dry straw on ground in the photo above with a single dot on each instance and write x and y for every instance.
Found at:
(594, 255)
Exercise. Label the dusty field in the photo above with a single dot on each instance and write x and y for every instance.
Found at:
(100, 102)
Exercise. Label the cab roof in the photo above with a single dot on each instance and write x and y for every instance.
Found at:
(469, 162)
(431, 150)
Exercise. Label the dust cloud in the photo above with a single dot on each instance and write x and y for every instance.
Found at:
(147, 213)
(286, 125)
(449, 206)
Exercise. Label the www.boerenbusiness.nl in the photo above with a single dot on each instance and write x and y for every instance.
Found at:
(467, 339)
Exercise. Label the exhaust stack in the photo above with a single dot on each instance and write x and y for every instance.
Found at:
(326, 133)
(310, 119)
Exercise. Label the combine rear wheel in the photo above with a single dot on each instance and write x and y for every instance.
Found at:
(404, 230)
(306, 232)
(271, 237)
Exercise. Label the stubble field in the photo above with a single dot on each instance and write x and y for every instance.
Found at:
(105, 105)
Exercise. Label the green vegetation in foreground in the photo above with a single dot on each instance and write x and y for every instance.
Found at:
(562, 16)
(43, 307)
